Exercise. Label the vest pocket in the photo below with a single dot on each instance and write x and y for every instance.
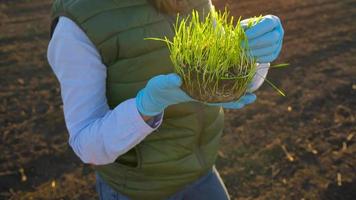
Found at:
(131, 159)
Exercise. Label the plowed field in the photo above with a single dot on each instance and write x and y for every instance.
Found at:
(302, 146)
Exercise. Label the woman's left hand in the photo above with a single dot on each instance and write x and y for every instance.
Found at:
(265, 38)
(245, 100)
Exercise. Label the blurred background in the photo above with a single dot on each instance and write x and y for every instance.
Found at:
(302, 146)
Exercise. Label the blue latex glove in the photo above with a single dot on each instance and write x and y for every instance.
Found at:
(160, 92)
(265, 38)
(164, 90)
(248, 98)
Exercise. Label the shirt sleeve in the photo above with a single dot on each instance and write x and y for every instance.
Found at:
(260, 76)
(97, 134)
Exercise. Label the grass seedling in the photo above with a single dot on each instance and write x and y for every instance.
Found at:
(212, 56)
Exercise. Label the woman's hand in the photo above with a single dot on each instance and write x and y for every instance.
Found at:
(265, 38)
(248, 98)
(160, 92)
(164, 90)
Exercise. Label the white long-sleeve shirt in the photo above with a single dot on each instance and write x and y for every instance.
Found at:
(98, 135)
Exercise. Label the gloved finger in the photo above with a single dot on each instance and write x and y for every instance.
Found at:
(267, 24)
(169, 81)
(266, 40)
(265, 51)
(181, 96)
(247, 99)
(271, 57)
(243, 101)
(233, 105)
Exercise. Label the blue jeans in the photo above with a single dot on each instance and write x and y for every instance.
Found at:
(209, 187)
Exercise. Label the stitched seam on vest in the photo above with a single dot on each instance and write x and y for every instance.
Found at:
(166, 178)
(189, 154)
(67, 6)
(143, 54)
(213, 121)
(117, 41)
(139, 156)
(129, 29)
(108, 10)
(169, 138)
(134, 81)
(111, 9)
(65, 12)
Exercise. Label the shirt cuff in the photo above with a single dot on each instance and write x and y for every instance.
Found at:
(148, 126)
(155, 121)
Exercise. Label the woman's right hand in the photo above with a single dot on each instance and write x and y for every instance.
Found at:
(160, 92)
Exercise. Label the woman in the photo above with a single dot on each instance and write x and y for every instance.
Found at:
(123, 106)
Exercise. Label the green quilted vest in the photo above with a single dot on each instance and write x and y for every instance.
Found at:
(184, 147)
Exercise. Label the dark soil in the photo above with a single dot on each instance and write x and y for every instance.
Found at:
(302, 146)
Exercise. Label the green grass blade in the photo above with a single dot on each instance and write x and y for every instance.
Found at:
(282, 65)
(273, 85)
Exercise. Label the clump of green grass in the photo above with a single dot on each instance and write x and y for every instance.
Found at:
(212, 56)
